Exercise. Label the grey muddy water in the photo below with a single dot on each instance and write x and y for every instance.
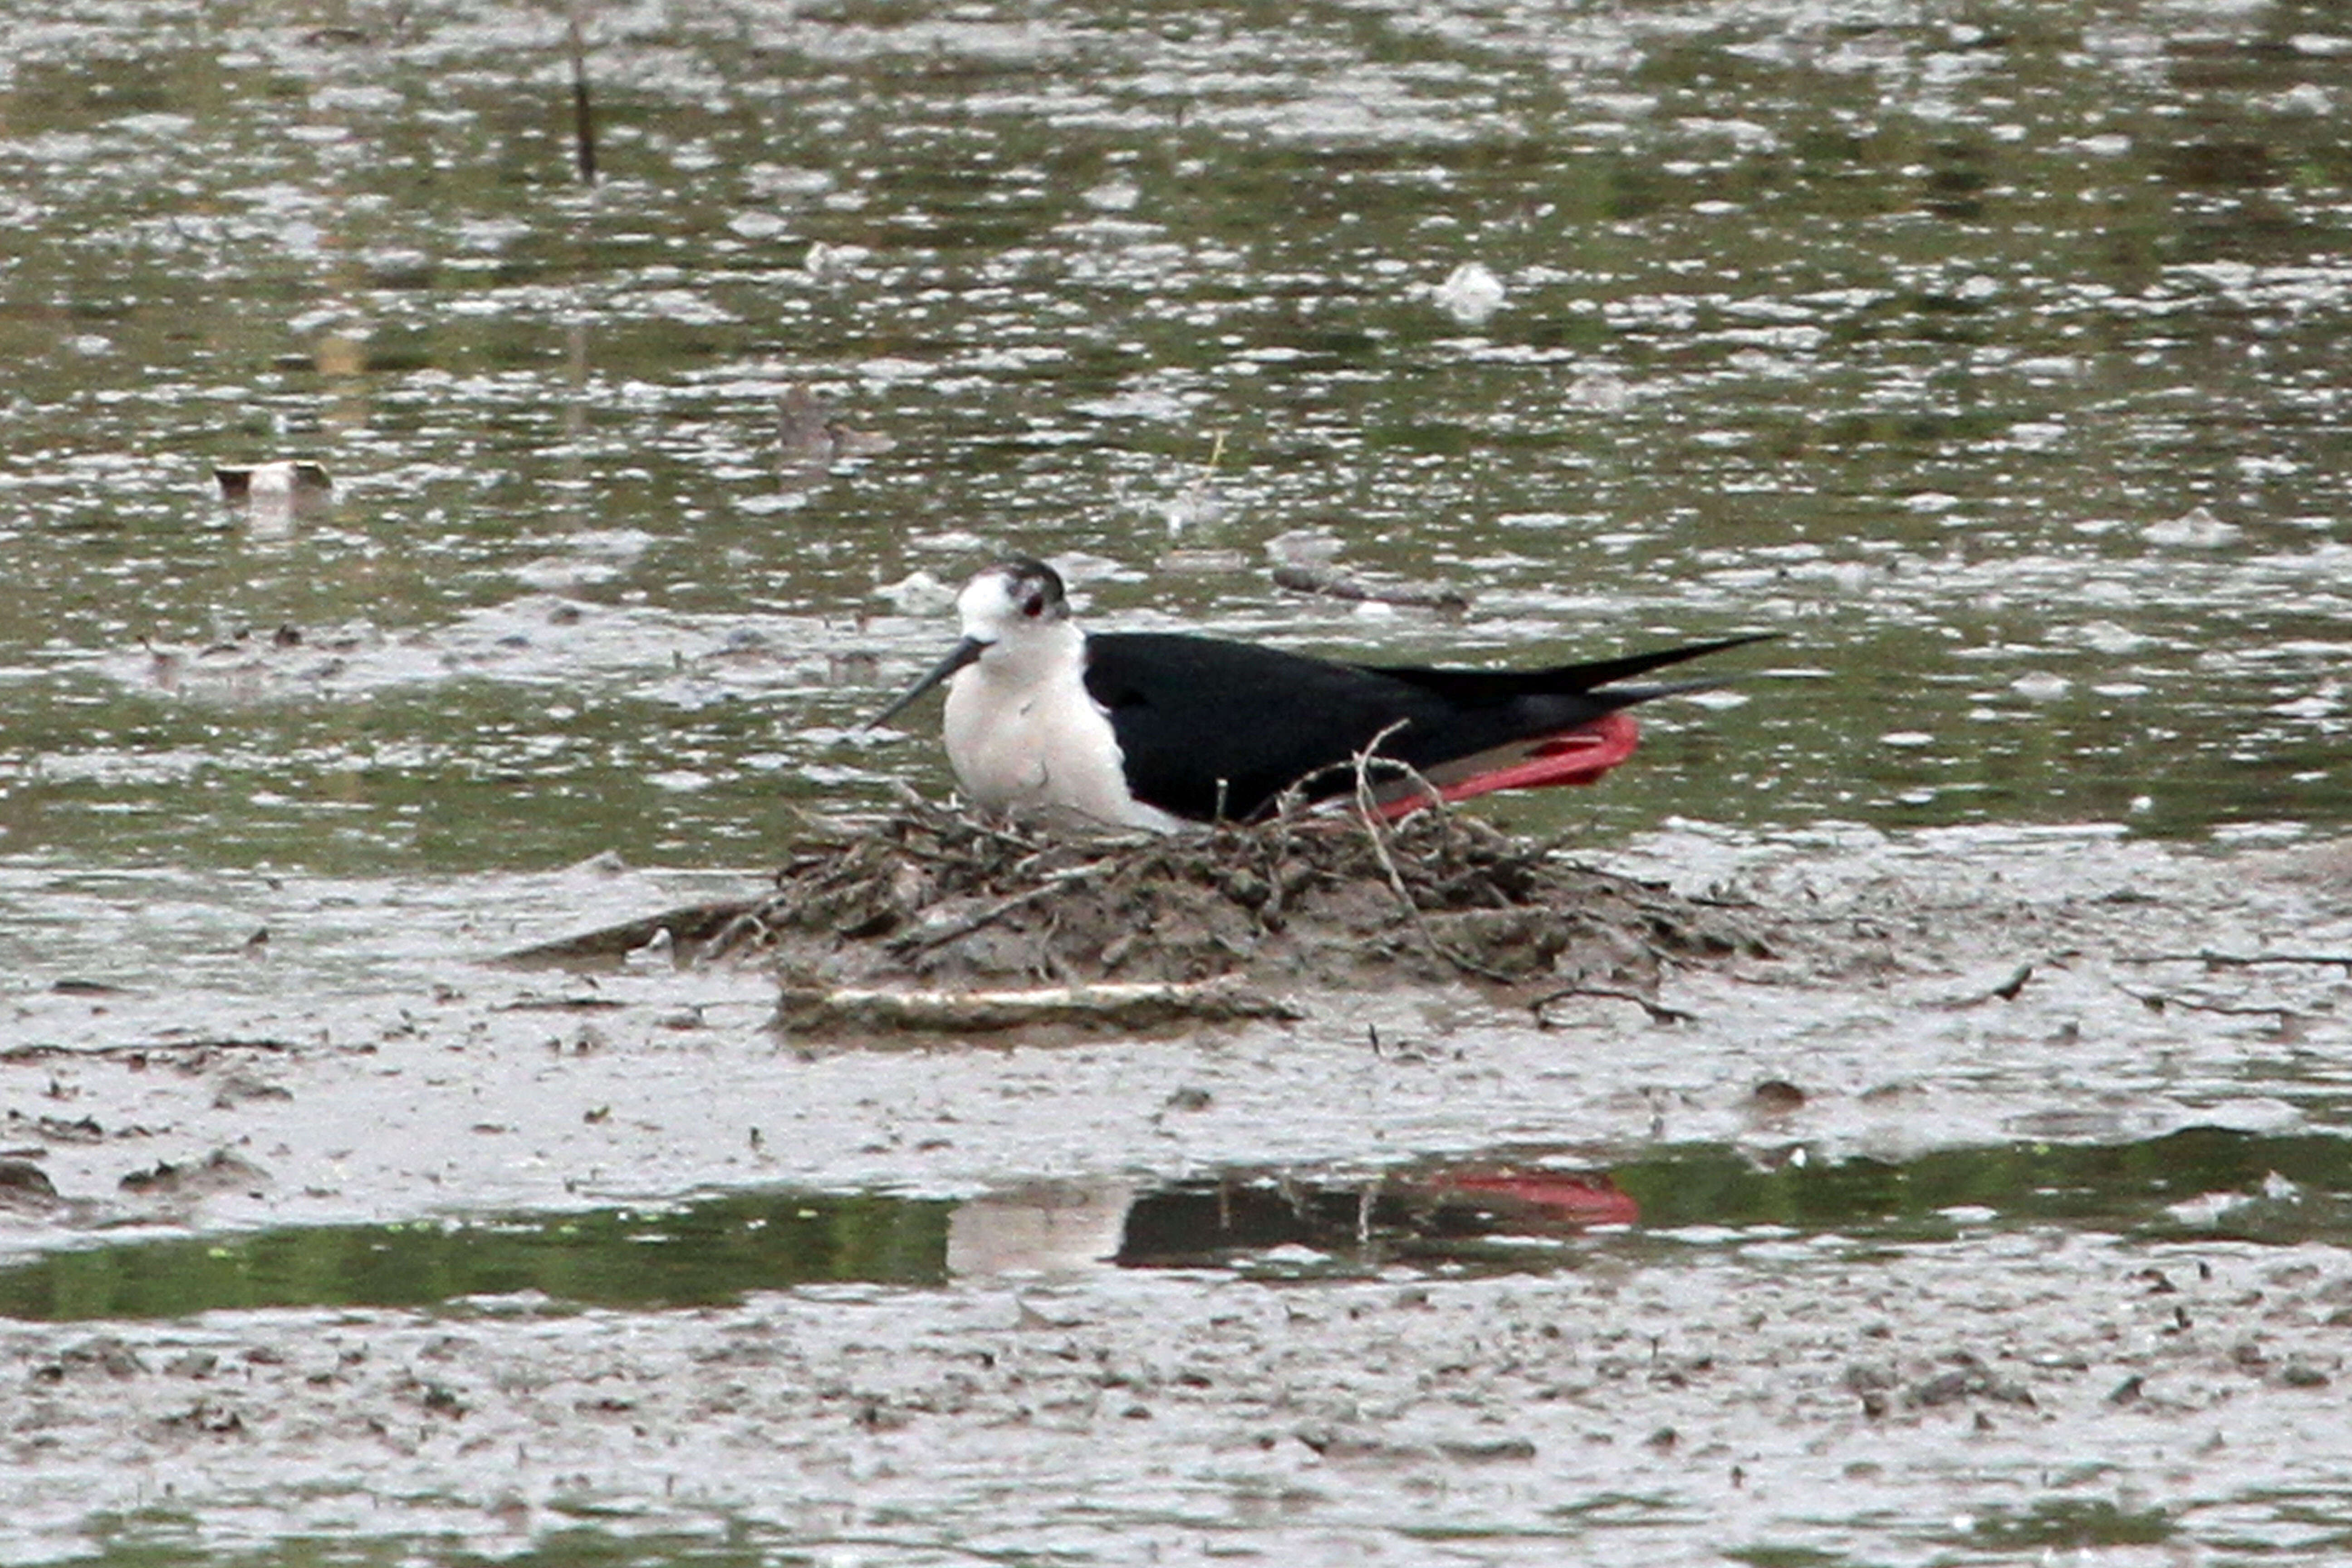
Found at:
(1991, 355)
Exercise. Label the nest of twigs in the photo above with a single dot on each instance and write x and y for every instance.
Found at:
(947, 900)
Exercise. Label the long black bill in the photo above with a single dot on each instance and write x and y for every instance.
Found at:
(963, 653)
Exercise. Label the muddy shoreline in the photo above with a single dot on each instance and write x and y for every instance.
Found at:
(1309, 1395)
(2099, 1395)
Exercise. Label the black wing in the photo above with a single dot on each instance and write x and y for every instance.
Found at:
(1210, 728)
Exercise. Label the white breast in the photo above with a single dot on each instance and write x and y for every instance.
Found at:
(1024, 736)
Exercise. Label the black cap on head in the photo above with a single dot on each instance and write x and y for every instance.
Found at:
(1021, 569)
(1035, 587)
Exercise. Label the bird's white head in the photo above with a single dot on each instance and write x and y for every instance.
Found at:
(1015, 618)
(1012, 602)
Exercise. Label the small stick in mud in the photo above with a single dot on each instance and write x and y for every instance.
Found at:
(1659, 1013)
(196, 1049)
(2158, 1001)
(921, 941)
(1335, 583)
(1369, 814)
(2240, 961)
(583, 117)
(2008, 990)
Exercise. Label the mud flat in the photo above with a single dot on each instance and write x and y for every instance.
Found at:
(1960, 1198)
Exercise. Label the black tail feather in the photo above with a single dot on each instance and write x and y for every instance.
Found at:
(1473, 686)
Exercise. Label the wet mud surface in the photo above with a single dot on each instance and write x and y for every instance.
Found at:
(2093, 1395)
(1418, 1272)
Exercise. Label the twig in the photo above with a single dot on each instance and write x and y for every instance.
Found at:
(745, 929)
(919, 943)
(1008, 831)
(1640, 884)
(1334, 582)
(1294, 802)
(2241, 961)
(2006, 991)
(583, 121)
(1373, 830)
(692, 923)
(150, 1048)
(2159, 1001)
(1659, 1013)
(1114, 843)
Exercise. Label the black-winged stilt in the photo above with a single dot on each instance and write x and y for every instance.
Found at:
(1159, 729)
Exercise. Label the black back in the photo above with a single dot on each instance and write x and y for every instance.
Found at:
(1212, 728)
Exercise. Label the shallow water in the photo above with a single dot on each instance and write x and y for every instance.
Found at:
(1519, 1211)
(1992, 360)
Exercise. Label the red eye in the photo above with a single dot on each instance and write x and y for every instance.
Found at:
(1033, 606)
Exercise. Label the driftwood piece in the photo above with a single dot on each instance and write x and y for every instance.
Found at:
(2241, 960)
(689, 926)
(1116, 1004)
(186, 1052)
(2008, 990)
(1659, 1013)
(1337, 582)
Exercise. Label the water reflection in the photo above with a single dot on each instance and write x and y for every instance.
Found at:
(1513, 1211)
(1041, 1227)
